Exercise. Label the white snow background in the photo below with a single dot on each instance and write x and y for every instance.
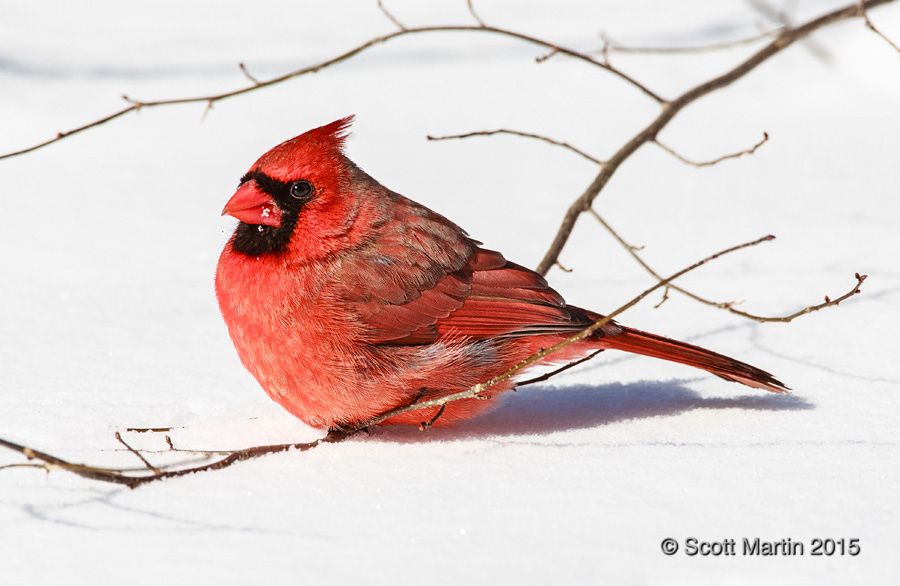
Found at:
(108, 318)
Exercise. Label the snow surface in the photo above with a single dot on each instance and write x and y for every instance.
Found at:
(108, 318)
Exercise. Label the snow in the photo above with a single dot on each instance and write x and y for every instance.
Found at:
(108, 319)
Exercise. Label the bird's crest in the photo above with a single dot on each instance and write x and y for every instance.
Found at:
(314, 147)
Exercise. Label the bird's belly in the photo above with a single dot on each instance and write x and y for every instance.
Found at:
(304, 359)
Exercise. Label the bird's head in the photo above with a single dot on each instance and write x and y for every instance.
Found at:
(297, 194)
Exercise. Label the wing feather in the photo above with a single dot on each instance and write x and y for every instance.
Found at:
(422, 278)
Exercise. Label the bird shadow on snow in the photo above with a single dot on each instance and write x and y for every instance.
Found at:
(546, 410)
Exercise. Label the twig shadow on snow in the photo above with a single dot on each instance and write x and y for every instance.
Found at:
(547, 410)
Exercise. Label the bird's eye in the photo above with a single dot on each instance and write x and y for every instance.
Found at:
(301, 189)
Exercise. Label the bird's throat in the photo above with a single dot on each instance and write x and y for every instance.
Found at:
(257, 239)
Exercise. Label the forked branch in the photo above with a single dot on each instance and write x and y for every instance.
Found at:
(863, 11)
(670, 109)
(717, 160)
(726, 305)
(256, 84)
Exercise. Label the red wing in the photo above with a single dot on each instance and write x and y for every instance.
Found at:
(511, 300)
(422, 277)
(488, 297)
(416, 322)
(407, 277)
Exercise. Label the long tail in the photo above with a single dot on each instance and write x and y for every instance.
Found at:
(639, 342)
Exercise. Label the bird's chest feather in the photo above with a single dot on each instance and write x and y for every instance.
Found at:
(280, 317)
(303, 345)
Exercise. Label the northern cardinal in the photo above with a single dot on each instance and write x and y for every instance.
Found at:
(345, 299)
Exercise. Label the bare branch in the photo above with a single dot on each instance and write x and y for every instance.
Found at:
(473, 13)
(426, 424)
(784, 39)
(61, 135)
(148, 429)
(665, 298)
(827, 303)
(542, 58)
(749, 151)
(206, 110)
(49, 462)
(24, 465)
(549, 375)
(246, 73)
(137, 453)
(133, 479)
(390, 16)
(865, 15)
(670, 109)
(524, 134)
(727, 305)
(136, 105)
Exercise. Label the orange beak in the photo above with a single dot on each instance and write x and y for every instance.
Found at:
(252, 206)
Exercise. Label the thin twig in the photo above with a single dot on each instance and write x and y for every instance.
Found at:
(246, 72)
(133, 480)
(473, 13)
(390, 16)
(136, 105)
(209, 107)
(546, 139)
(23, 465)
(726, 305)
(665, 297)
(749, 151)
(865, 15)
(49, 462)
(546, 376)
(137, 453)
(542, 58)
(426, 424)
(827, 303)
(670, 109)
(148, 429)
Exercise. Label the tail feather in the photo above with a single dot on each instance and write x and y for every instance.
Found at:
(647, 344)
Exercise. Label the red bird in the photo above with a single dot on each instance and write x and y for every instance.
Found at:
(345, 299)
